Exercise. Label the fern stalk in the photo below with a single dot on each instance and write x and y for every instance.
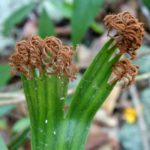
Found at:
(51, 127)
(45, 99)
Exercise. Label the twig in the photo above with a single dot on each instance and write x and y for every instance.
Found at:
(143, 76)
(11, 95)
(137, 105)
(11, 102)
(15, 98)
(138, 78)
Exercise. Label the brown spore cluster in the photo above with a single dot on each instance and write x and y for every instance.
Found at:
(129, 32)
(126, 71)
(49, 56)
(128, 35)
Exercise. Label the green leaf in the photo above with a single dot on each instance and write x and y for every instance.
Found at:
(45, 25)
(16, 17)
(147, 3)
(21, 125)
(84, 12)
(2, 144)
(18, 140)
(91, 92)
(64, 8)
(5, 74)
(98, 28)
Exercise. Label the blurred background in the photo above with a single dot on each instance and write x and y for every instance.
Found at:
(123, 123)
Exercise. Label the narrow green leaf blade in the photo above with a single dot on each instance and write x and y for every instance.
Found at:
(5, 74)
(96, 99)
(45, 25)
(21, 124)
(19, 139)
(83, 15)
(88, 79)
(98, 28)
(64, 8)
(16, 17)
(146, 3)
(88, 97)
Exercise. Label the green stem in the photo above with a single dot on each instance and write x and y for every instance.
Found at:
(77, 110)
(76, 124)
(45, 99)
(85, 120)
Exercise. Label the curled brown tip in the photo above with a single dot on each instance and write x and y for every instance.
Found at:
(49, 56)
(125, 71)
(129, 32)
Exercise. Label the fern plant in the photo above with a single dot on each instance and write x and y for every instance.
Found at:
(46, 67)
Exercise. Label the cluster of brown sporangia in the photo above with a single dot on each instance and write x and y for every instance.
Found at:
(128, 36)
(48, 55)
(51, 56)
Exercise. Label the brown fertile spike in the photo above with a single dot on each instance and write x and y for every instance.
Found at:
(36, 42)
(124, 70)
(129, 32)
(53, 44)
(49, 56)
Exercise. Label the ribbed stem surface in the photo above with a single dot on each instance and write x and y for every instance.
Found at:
(45, 99)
